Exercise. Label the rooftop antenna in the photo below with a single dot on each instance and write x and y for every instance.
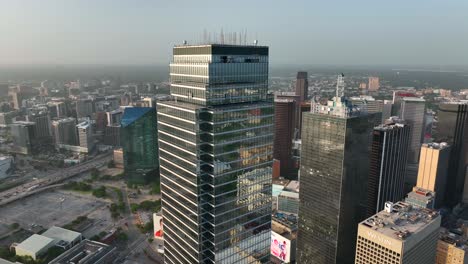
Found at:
(255, 42)
(185, 42)
(235, 38)
(340, 85)
(245, 37)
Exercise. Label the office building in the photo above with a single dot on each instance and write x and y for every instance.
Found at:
(374, 106)
(40, 116)
(451, 249)
(334, 173)
(216, 152)
(400, 234)
(288, 202)
(88, 252)
(373, 84)
(291, 96)
(302, 86)
(412, 110)
(84, 108)
(114, 117)
(8, 118)
(112, 135)
(389, 153)
(285, 111)
(139, 141)
(65, 131)
(34, 246)
(433, 168)
(422, 198)
(23, 134)
(452, 127)
(57, 109)
(85, 135)
(6, 166)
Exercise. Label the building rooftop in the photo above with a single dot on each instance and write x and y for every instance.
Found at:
(277, 189)
(441, 145)
(63, 234)
(391, 123)
(84, 125)
(453, 239)
(288, 194)
(413, 99)
(284, 225)
(35, 243)
(293, 186)
(400, 220)
(87, 252)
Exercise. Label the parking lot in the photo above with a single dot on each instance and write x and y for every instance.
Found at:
(49, 208)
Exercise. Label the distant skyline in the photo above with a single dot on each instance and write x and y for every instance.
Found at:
(124, 32)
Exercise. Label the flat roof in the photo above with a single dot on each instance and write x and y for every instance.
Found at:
(35, 243)
(289, 194)
(59, 233)
(403, 221)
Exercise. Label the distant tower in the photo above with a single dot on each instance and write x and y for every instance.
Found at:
(285, 114)
(373, 84)
(302, 86)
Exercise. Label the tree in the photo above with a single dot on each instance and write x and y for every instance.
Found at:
(14, 226)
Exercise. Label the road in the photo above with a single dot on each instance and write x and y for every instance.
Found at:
(41, 184)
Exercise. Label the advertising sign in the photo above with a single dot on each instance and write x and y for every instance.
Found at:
(280, 247)
(158, 226)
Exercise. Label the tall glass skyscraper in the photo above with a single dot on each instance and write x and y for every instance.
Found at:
(216, 154)
(139, 140)
(334, 173)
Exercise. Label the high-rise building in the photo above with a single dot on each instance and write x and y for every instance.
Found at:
(114, 117)
(334, 172)
(23, 134)
(57, 109)
(400, 234)
(112, 135)
(373, 84)
(65, 131)
(216, 152)
(85, 135)
(139, 141)
(302, 86)
(433, 168)
(285, 117)
(412, 110)
(41, 117)
(388, 157)
(452, 127)
(298, 111)
(84, 108)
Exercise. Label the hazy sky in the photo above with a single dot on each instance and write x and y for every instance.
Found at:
(298, 32)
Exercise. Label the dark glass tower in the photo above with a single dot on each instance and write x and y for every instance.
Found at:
(139, 140)
(388, 157)
(216, 154)
(302, 86)
(452, 127)
(285, 114)
(334, 174)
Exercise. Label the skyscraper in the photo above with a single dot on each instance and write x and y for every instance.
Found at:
(84, 108)
(41, 117)
(65, 131)
(333, 173)
(412, 110)
(400, 234)
(389, 153)
(216, 154)
(85, 135)
(23, 134)
(433, 168)
(139, 141)
(302, 86)
(285, 115)
(452, 127)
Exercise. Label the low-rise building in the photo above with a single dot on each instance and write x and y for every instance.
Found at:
(87, 252)
(283, 239)
(63, 237)
(34, 246)
(451, 249)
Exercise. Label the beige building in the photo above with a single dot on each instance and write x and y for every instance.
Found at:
(400, 234)
(373, 84)
(451, 249)
(433, 167)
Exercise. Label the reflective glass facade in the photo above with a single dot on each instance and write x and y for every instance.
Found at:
(216, 155)
(333, 193)
(139, 140)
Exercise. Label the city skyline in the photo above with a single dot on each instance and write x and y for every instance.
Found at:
(124, 32)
